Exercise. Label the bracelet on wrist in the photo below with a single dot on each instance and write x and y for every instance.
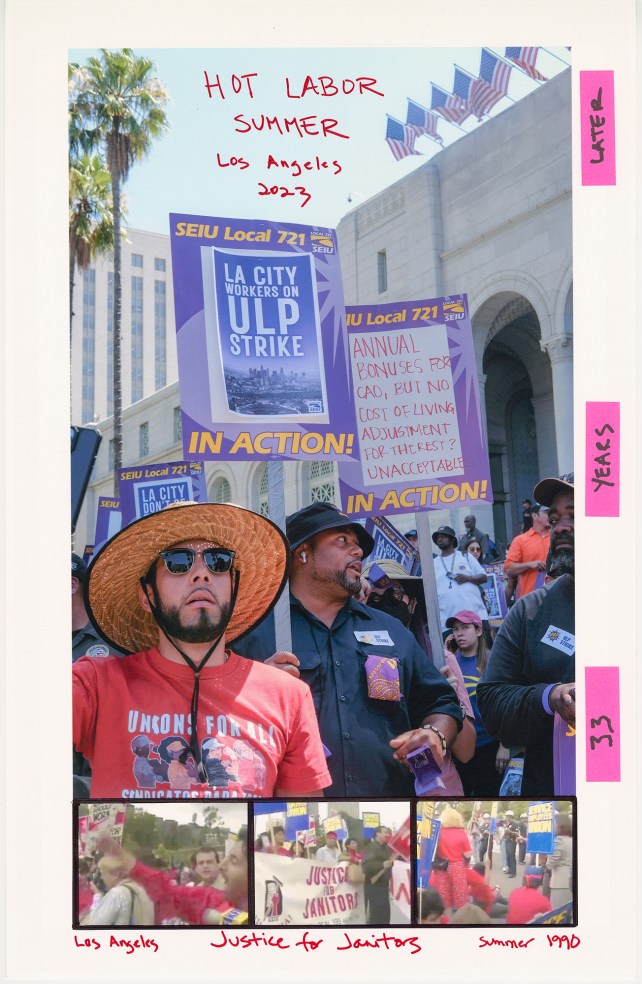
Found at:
(440, 735)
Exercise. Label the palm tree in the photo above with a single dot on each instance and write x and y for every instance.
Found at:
(91, 226)
(122, 110)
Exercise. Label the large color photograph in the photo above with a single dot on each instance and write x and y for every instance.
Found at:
(248, 430)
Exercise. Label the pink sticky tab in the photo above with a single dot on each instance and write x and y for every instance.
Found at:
(602, 490)
(597, 127)
(602, 685)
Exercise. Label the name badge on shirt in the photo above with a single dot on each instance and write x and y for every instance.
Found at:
(97, 651)
(378, 637)
(559, 639)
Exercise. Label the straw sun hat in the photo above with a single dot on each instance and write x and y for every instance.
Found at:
(261, 557)
(392, 568)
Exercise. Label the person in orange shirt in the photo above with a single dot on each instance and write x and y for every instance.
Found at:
(526, 557)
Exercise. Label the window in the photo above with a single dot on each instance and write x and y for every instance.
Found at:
(382, 271)
(88, 343)
(178, 425)
(137, 260)
(160, 334)
(143, 440)
(137, 339)
(322, 481)
(264, 503)
(159, 264)
(221, 491)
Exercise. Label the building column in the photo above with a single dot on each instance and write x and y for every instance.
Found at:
(560, 351)
(483, 513)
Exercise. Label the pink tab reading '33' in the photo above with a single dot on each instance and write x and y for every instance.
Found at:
(602, 490)
(602, 723)
(597, 128)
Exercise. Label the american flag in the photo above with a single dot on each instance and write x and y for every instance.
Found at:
(464, 85)
(448, 105)
(492, 85)
(400, 139)
(422, 121)
(526, 58)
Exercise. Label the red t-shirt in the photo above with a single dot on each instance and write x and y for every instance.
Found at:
(453, 842)
(524, 904)
(257, 729)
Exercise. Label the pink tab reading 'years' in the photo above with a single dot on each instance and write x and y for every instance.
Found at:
(602, 490)
(597, 128)
(602, 685)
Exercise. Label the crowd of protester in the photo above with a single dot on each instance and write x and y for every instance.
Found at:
(369, 862)
(175, 608)
(117, 889)
(460, 889)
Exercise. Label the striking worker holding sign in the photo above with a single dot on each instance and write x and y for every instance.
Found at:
(376, 695)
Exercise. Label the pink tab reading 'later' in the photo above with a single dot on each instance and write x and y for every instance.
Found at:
(602, 723)
(602, 491)
(597, 128)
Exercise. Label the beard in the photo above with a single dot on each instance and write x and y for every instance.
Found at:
(350, 584)
(205, 629)
(562, 563)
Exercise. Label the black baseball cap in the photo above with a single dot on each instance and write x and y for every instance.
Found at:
(301, 525)
(78, 568)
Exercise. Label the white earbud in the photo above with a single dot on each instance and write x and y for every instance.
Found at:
(304, 557)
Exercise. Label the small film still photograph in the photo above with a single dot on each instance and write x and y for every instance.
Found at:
(161, 864)
(332, 863)
(503, 862)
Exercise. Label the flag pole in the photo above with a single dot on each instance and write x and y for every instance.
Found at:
(557, 57)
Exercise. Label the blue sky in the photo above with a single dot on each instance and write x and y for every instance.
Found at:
(183, 172)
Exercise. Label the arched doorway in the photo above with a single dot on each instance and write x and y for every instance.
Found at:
(519, 405)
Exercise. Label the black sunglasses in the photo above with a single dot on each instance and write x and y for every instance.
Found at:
(180, 560)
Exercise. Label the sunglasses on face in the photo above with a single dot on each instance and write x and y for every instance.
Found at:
(180, 560)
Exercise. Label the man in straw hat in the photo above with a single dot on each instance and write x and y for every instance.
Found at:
(376, 694)
(531, 671)
(173, 589)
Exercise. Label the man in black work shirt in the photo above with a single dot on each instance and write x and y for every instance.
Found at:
(376, 694)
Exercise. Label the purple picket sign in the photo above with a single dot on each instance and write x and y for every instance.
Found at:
(420, 425)
(263, 361)
(145, 489)
(390, 544)
(563, 758)
(108, 521)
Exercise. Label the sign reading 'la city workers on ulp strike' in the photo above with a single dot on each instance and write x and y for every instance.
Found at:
(419, 420)
(262, 350)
